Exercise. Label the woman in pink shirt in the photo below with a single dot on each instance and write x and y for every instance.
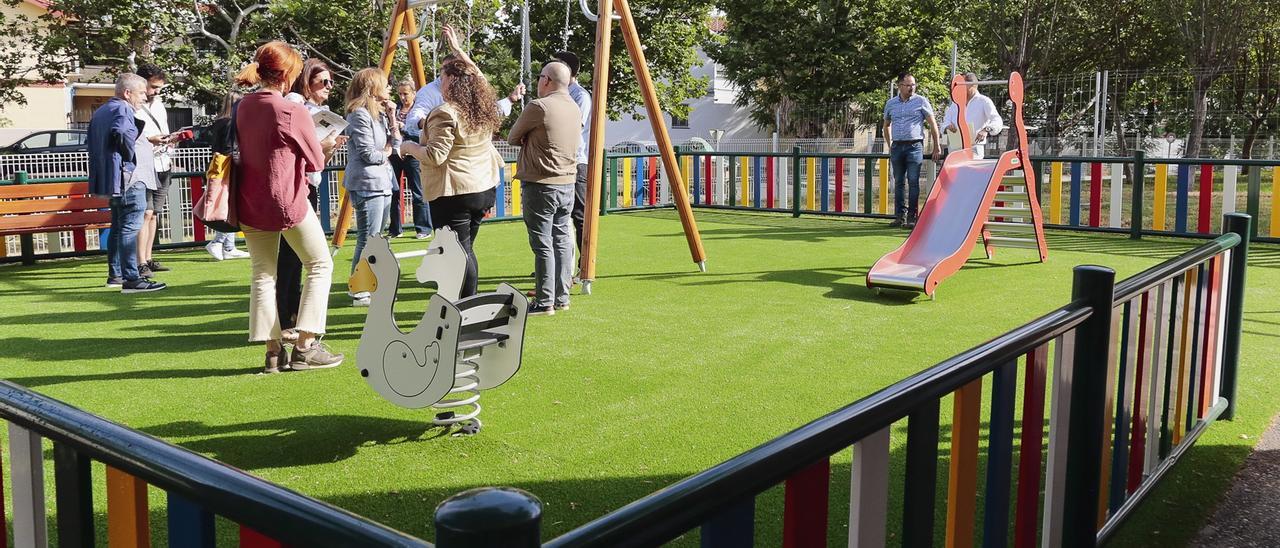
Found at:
(278, 146)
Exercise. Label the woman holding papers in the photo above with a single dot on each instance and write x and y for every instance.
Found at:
(278, 145)
(371, 123)
(459, 163)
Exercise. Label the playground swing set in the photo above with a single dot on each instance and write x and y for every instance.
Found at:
(463, 346)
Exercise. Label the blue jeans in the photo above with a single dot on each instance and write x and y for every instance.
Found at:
(227, 239)
(122, 243)
(547, 211)
(371, 212)
(906, 160)
(409, 167)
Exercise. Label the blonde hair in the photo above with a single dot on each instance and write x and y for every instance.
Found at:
(273, 64)
(368, 90)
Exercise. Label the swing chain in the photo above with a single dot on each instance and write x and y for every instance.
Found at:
(564, 34)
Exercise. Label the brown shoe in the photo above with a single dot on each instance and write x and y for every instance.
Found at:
(318, 356)
(275, 361)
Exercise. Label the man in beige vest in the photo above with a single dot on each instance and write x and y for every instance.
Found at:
(548, 133)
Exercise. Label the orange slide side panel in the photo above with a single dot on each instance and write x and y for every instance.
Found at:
(953, 216)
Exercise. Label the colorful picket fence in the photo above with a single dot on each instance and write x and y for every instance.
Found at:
(196, 488)
(1122, 382)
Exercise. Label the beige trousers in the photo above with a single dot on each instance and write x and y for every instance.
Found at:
(308, 241)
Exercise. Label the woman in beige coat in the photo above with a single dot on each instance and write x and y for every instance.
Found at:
(459, 162)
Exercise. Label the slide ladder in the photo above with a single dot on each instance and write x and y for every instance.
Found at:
(993, 201)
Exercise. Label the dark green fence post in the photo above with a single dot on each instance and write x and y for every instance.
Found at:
(1238, 223)
(1094, 286)
(497, 517)
(613, 182)
(867, 178)
(26, 241)
(795, 181)
(1255, 195)
(1139, 182)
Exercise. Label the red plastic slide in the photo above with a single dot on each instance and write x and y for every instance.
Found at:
(949, 225)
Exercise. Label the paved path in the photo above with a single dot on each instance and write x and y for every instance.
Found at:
(1250, 513)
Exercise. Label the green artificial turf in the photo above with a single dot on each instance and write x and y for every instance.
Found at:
(660, 373)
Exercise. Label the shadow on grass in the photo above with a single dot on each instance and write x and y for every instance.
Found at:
(294, 441)
(149, 374)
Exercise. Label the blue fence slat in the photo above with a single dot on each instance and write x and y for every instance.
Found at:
(697, 178)
(501, 203)
(732, 528)
(825, 180)
(995, 526)
(322, 193)
(1074, 207)
(1120, 445)
(1180, 209)
(190, 525)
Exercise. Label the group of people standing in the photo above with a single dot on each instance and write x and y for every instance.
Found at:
(439, 139)
(905, 116)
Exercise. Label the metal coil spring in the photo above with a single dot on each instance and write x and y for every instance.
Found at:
(467, 382)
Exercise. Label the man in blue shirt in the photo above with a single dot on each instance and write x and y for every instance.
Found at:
(122, 167)
(583, 98)
(905, 115)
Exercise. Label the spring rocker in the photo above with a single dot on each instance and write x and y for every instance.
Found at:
(459, 348)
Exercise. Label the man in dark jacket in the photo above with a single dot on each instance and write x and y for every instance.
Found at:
(115, 171)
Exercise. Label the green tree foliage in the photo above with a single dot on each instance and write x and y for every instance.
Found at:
(201, 43)
(829, 53)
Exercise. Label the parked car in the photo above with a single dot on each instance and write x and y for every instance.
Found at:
(55, 141)
(50, 141)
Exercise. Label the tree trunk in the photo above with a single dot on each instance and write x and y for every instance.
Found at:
(1200, 107)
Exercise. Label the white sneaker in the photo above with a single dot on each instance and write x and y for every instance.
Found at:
(215, 249)
(235, 254)
(424, 236)
(358, 296)
(360, 303)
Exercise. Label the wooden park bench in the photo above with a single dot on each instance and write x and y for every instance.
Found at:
(29, 209)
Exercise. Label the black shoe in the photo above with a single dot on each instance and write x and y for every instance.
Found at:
(155, 266)
(896, 223)
(141, 286)
(115, 283)
(145, 272)
(541, 310)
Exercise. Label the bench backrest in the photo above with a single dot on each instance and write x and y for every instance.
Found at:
(49, 207)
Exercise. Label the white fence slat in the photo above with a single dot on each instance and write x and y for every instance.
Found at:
(26, 469)
(869, 490)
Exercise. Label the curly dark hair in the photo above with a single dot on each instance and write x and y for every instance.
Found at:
(472, 95)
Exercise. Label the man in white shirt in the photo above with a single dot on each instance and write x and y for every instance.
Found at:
(583, 98)
(155, 130)
(430, 97)
(984, 120)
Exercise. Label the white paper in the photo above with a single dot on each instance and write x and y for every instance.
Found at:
(327, 122)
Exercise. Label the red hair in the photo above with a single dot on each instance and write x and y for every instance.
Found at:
(273, 64)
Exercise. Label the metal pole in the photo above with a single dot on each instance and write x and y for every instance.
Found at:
(1102, 129)
(1097, 114)
(1239, 224)
(795, 181)
(1094, 286)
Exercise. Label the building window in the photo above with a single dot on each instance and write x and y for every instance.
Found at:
(679, 123)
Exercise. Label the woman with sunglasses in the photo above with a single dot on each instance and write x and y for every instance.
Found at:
(311, 89)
